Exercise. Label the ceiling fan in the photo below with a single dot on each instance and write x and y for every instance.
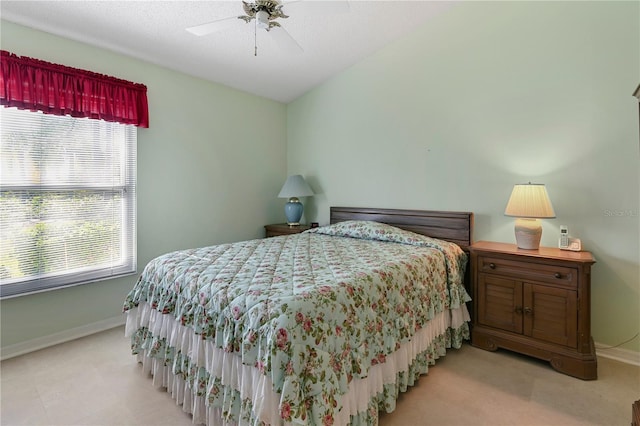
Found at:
(264, 14)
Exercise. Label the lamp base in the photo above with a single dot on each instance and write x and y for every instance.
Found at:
(528, 233)
(293, 211)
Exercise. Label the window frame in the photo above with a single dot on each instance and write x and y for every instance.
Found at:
(14, 287)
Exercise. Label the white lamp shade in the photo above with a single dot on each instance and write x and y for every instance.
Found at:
(530, 200)
(295, 186)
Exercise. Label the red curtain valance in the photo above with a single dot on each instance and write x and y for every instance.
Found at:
(37, 85)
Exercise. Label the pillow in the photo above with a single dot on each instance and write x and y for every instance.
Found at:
(369, 230)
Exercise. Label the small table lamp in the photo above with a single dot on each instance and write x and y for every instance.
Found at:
(294, 187)
(529, 202)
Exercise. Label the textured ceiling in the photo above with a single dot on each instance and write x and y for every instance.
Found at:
(332, 38)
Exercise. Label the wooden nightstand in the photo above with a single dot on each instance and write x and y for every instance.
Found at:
(536, 302)
(284, 229)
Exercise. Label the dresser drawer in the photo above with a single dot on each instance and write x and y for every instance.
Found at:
(539, 272)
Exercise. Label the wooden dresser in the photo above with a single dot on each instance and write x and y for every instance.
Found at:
(536, 302)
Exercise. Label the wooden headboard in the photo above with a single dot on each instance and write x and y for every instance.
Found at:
(456, 227)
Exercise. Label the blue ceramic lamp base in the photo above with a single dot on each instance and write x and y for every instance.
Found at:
(293, 210)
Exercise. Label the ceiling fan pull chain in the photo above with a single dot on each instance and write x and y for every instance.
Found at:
(255, 37)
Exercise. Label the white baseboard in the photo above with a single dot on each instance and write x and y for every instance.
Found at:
(622, 355)
(60, 337)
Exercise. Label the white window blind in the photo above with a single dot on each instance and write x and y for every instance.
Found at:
(67, 201)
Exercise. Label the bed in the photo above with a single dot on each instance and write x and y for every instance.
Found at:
(323, 327)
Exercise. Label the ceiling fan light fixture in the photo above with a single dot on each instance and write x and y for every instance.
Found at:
(262, 19)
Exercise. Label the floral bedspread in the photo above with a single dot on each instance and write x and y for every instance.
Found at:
(312, 310)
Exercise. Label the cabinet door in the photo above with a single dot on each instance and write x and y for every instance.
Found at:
(499, 302)
(551, 314)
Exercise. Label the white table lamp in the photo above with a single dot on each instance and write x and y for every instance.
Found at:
(529, 202)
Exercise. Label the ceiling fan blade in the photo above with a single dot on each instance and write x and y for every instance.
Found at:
(284, 40)
(215, 26)
(328, 7)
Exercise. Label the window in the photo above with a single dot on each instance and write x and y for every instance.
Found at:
(67, 177)
(67, 201)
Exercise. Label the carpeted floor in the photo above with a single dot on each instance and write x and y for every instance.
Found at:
(95, 381)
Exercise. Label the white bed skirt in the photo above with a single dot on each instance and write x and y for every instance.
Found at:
(257, 387)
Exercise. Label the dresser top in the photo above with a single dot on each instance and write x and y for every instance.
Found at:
(542, 252)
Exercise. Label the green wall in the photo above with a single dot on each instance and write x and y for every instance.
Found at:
(205, 176)
(487, 95)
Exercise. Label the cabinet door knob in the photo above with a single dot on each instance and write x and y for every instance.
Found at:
(528, 311)
(492, 265)
(518, 310)
(557, 275)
